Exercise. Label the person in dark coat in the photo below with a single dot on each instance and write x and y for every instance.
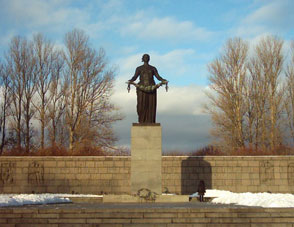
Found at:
(201, 190)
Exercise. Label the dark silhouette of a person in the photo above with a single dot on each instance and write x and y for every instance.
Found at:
(201, 190)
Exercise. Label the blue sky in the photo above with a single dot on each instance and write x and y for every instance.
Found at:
(180, 36)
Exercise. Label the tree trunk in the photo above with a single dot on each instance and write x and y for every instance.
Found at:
(42, 128)
(27, 136)
(71, 139)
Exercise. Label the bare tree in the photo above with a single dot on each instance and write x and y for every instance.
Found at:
(16, 62)
(90, 84)
(257, 100)
(247, 103)
(56, 107)
(29, 82)
(265, 70)
(5, 103)
(76, 47)
(289, 100)
(46, 58)
(21, 62)
(100, 113)
(227, 104)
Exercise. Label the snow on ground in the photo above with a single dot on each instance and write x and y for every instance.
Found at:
(28, 199)
(250, 199)
(222, 197)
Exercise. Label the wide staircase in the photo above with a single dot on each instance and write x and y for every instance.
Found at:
(158, 215)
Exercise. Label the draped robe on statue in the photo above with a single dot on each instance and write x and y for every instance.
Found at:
(146, 100)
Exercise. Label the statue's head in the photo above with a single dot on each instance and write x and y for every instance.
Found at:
(146, 58)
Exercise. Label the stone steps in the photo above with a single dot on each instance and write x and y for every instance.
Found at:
(182, 216)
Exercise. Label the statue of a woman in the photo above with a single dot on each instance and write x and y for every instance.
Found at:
(146, 90)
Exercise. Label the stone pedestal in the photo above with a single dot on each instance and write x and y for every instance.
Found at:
(146, 157)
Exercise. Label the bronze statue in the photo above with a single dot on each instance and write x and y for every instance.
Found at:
(146, 90)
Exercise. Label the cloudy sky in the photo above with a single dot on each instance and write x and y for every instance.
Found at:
(182, 37)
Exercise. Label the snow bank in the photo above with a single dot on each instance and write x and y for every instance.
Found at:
(250, 199)
(29, 199)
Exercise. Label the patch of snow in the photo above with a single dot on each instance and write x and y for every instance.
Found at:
(194, 195)
(250, 199)
(29, 199)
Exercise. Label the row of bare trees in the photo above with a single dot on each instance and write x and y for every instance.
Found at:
(252, 94)
(56, 96)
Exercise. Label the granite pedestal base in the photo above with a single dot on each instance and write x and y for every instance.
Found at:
(146, 158)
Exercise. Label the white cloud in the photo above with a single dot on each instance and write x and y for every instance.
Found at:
(187, 100)
(276, 16)
(174, 61)
(126, 50)
(35, 14)
(166, 28)
(112, 5)
(128, 65)
(276, 13)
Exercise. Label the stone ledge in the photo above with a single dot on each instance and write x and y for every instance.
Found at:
(146, 124)
(137, 199)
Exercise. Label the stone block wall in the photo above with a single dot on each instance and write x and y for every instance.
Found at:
(238, 174)
(85, 175)
(181, 175)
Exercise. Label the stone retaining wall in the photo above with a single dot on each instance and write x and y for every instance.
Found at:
(111, 175)
(85, 175)
(237, 174)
